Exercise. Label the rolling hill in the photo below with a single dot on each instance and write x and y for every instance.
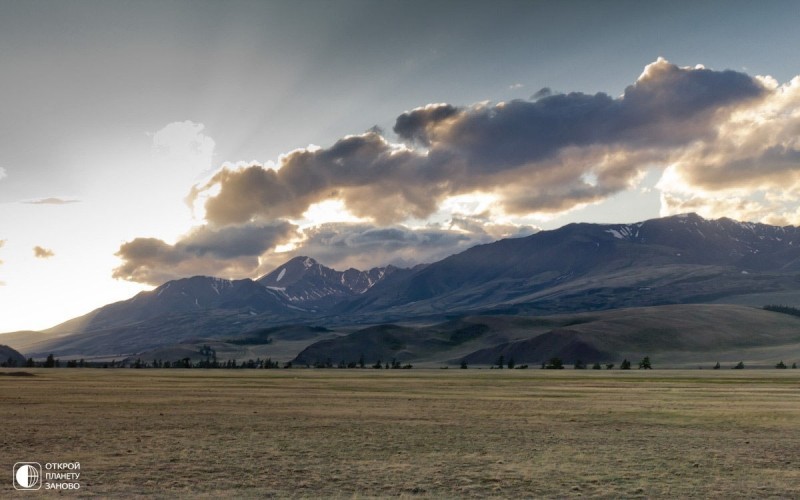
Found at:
(673, 335)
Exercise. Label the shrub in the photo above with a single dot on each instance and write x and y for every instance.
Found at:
(626, 365)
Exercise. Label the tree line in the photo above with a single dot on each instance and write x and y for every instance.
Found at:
(556, 363)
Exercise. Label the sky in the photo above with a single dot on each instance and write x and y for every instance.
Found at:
(146, 141)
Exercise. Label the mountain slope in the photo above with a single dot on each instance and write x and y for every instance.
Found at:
(196, 295)
(681, 259)
(9, 357)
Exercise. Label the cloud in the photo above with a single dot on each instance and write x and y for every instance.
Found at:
(249, 250)
(227, 252)
(750, 169)
(542, 93)
(363, 246)
(2, 243)
(727, 144)
(51, 201)
(549, 155)
(42, 253)
(185, 143)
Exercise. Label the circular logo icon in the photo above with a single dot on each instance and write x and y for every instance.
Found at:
(27, 476)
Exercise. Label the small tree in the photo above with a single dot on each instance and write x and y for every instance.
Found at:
(555, 364)
(739, 366)
(50, 362)
(644, 364)
(609, 366)
(463, 364)
(579, 365)
(781, 365)
(716, 367)
(501, 361)
(794, 366)
(596, 366)
(626, 365)
(511, 363)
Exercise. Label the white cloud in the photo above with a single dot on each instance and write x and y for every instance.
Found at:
(184, 148)
(750, 169)
(2, 243)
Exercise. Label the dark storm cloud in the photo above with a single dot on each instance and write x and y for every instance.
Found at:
(547, 155)
(667, 105)
(230, 252)
(235, 241)
(411, 126)
(541, 93)
(376, 179)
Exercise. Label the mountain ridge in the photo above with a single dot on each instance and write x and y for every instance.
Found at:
(579, 267)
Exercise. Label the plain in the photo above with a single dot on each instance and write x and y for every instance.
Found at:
(429, 433)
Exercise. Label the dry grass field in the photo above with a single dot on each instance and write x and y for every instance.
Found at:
(409, 433)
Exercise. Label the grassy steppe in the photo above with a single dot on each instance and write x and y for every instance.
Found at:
(429, 433)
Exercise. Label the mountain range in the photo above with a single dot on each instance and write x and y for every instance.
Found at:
(563, 273)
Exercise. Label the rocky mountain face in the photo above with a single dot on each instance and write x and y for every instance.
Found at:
(306, 283)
